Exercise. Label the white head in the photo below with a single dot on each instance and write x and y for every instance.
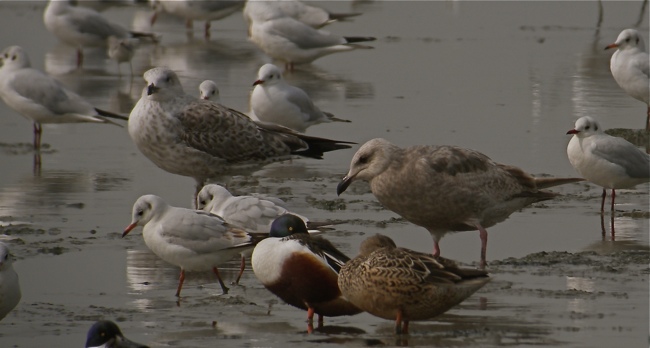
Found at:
(144, 210)
(5, 257)
(267, 75)
(628, 39)
(162, 82)
(372, 159)
(14, 58)
(210, 196)
(585, 126)
(208, 90)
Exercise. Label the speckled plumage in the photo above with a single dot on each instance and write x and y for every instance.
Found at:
(403, 285)
(445, 188)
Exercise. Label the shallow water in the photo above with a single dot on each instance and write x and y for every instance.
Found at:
(505, 78)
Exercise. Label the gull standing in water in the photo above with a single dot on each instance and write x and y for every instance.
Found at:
(84, 27)
(41, 98)
(9, 286)
(275, 101)
(630, 67)
(202, 139)
(191, 10)
(445, 188)
(607, 161)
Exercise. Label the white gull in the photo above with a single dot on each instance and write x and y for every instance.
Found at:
(9, 286)
(191, 10)
(208, 90)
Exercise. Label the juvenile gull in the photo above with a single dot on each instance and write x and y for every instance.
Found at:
(9, 285)
(274, 100)
(193, 240)
(121, 51)
(191, 10)
(208, 90)
(105, 333)
(445, 188)
(201, 139)
(402, 285)
(313, 16)
(41, 98)
(629, 66)
(607, 161)
(302, 270)
(294, 42)
(83, 27)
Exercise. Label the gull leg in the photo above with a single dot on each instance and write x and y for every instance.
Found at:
(241, 269)
(310, 320)
(405, 328)
(484, 237)
(398, 322)
(223, 286)
(80, 58)
(153, 18)
(436, 248)
(207, 29)
(180, 283)
(602, 203)
(613, 198)
(38, 130)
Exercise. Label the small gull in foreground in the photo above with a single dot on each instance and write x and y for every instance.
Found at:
(607, 161)
(403, 285)
(302, 270)
(81, 27)
(275, 101)
(192, 10)
(630, 67)
(445, 188)
(9, 285)
(105, 333)
(193, 240)
(294, 42)
(121, 51)
(208, 90)
(41, 98)
(202, 139)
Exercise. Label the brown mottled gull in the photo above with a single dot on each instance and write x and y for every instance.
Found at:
(202, 139)
(446, 188)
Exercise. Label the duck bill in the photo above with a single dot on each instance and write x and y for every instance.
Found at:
(128, 229)
(343, 185)
(573, 131)
(611, 46)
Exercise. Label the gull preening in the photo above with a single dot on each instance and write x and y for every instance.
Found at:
(208, 90)
(105, 333)
(275, 101)
(84, 27)
(193, 240)
(313, 16)
(403, 285)
(9, 286)
(202, 139)
(607, 161)
(445, 188)
(293, 42)
(630, 67)
(41, 98)
(192, 10)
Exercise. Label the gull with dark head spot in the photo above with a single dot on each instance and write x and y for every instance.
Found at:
(107, 334)
(607, 161)
(202, 139)
(630, 66)
(208, 90)
(275, 101)
(9, 286)
(193, 240)
(445, 188)
(41, 98)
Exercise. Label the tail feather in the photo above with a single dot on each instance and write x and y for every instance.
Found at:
(343, 16)
(316, 147)
(550, 182)
(151, 36)
(334, 118)
(353, 39)
(111, 114)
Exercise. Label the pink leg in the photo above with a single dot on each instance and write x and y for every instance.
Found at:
(405, 328)
(38, 130)
(223, 286)
(180, 283)
(613, 197)
(207, 29)
(602, 203)
(80, 57)
(436, 248)
(153, 18)
(398, 322)
(241, 269)
(484, 237)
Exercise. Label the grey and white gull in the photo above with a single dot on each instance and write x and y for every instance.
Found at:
(275, 101)
(445, 188)
(630, 67)
(208, 90)
(9, 285)
(41, 98)
(192, 10)
(202, 139)
(607, 161)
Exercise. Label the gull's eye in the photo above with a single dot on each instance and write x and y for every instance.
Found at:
(13, 57)
(139, 213)
(363, 159)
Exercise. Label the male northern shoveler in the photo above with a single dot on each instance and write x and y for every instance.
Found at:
(403, 285)
(302, 269)
(106, 333)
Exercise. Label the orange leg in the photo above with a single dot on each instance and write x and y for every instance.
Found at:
(180, 283)
(398, 322)
(223, 286)
(241, 269)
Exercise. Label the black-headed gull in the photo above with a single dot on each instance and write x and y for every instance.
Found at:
(9, 286)
(105, 333)
(41, 98)
(202, 139)
(445, 188)
(607, 161)
(275, 101)
(301, 269)
(403, 285)
(84, 27)
(193, 240)
(192, 10)
(208, 90)
(630, 67)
